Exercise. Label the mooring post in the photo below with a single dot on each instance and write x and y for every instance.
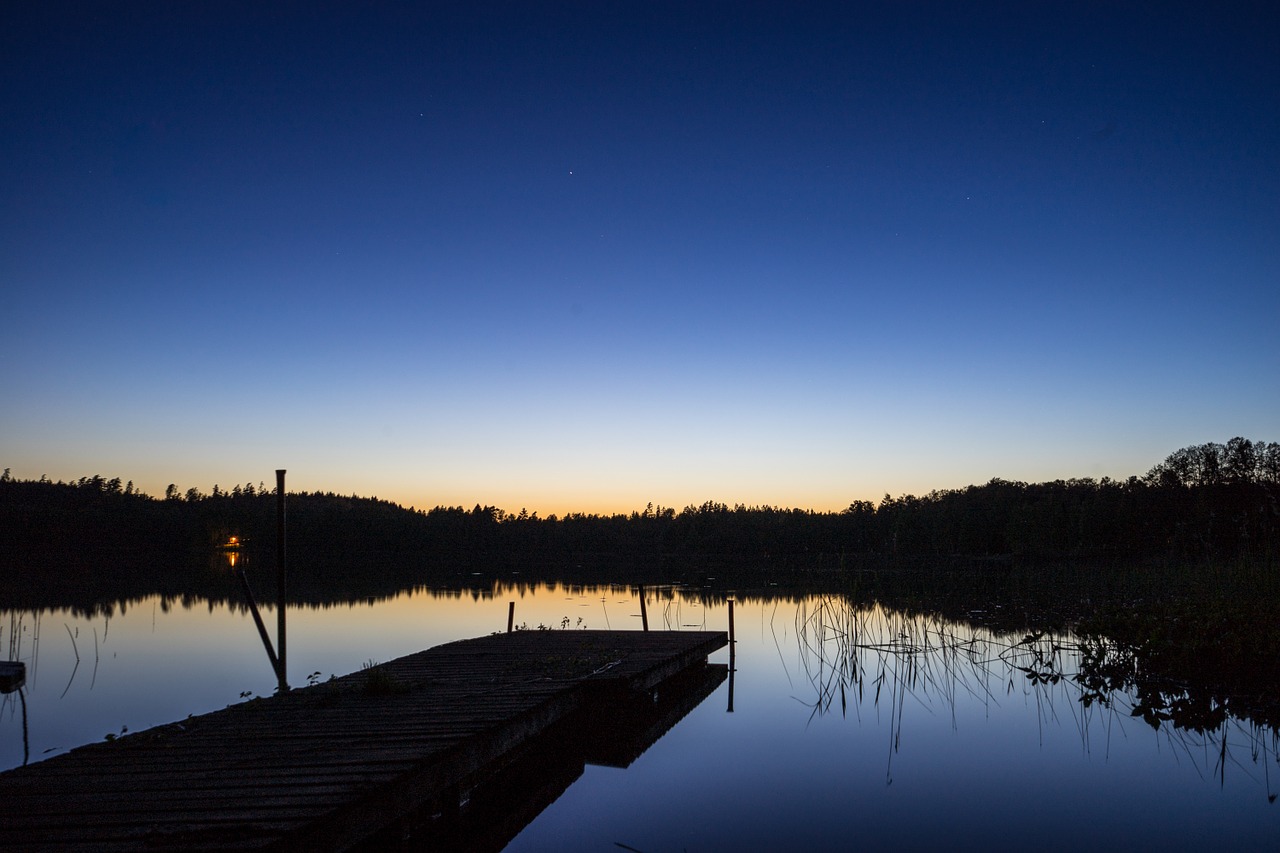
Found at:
(733, 657)
(644, 611)
(13, 677)
(511, 616)
(257, 620)
(282, 673)
(13, 674)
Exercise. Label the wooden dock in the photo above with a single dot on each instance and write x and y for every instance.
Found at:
(331, 766)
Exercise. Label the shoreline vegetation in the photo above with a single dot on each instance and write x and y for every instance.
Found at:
(1177, 570)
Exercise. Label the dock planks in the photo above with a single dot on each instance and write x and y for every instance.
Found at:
(325, 767)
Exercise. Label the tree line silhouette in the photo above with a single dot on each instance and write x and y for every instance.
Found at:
(1203, 504)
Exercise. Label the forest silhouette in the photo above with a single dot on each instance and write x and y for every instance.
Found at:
(1206, 505)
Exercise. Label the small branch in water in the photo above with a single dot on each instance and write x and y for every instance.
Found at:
(73, 641)
(94, 680)
(75, 668)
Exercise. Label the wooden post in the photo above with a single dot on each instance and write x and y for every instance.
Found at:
(13, 674)
(257, 620)
(13, 677)
(733, 657)
(511, 616)
(644, 611)
(26, 742)
(282, 673)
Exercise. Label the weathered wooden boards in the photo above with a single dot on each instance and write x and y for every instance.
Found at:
(322, 768)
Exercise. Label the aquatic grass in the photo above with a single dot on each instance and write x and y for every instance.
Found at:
(76, 668)
(854, 655)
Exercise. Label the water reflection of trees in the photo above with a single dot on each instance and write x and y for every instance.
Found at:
(852, 654)
(887, 645)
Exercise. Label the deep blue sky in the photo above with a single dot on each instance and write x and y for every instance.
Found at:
(587, 256)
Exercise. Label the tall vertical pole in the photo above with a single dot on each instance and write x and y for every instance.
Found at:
(281, 586)
(733, 656)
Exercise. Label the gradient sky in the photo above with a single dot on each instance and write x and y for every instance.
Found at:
(581, 257)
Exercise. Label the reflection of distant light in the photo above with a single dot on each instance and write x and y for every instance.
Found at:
(231, 558)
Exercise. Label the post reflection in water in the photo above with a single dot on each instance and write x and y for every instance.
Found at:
(854, 720)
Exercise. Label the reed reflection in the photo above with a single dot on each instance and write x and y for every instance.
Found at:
(857, 656)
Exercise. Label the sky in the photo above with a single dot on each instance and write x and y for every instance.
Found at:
(581, 257)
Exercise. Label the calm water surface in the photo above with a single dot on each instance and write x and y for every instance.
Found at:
(844, 725)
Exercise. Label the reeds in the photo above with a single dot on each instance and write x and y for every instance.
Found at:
(856, 655)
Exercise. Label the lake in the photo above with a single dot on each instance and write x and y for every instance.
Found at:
(843, 724)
